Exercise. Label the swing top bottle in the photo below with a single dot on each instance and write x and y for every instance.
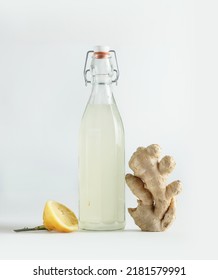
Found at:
(101, 149)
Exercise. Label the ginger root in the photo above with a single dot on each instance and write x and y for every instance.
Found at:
(156, 205)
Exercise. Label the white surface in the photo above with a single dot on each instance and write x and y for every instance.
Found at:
(131, 244)
(167, 94)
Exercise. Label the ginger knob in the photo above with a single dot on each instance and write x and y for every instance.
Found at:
(156, 208)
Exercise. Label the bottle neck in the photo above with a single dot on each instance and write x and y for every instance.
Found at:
(101, 79)
(101, 70)
(101, 93)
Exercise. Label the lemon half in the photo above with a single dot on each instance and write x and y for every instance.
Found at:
(58, 217)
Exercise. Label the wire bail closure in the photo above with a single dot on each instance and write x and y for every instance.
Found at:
(85, 71)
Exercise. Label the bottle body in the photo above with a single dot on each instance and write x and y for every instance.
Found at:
(101, 168)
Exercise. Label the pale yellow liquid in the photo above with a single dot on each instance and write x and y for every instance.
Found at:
(101, 169)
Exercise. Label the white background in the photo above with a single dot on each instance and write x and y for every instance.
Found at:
(167, 94)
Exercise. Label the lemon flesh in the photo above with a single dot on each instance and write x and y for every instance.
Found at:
(58, 217)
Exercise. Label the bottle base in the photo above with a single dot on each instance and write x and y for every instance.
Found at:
(101, 226)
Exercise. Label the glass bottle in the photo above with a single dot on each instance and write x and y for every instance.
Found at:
(101, 149)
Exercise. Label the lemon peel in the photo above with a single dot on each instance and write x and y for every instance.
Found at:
(56, 216)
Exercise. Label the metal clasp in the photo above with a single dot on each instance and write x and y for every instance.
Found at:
(85, 71)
